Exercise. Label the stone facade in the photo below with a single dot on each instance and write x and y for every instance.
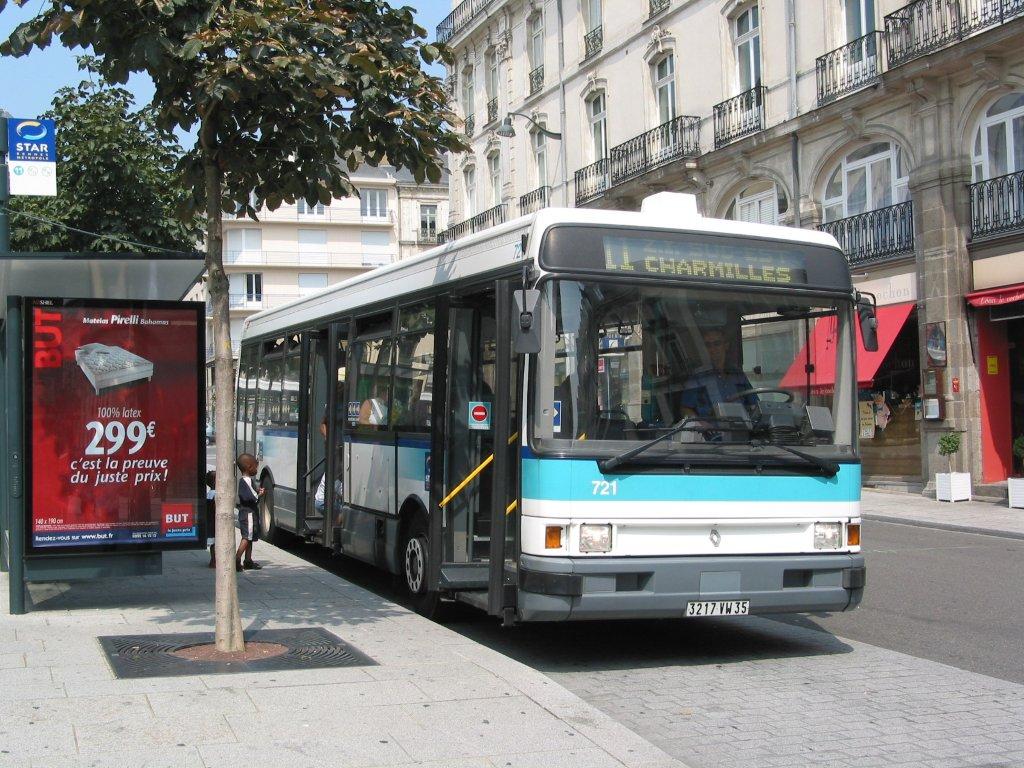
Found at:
(919, 80)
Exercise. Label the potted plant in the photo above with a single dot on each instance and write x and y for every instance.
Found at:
(952, 486)
(1015, 483)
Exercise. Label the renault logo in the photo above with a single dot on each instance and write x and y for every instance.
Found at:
(716, 537)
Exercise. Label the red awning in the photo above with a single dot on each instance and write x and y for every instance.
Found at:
(822, 344)
(993, 297)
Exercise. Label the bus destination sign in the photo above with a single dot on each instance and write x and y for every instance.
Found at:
(732, 261)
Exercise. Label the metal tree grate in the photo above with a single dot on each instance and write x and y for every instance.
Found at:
(132, 656)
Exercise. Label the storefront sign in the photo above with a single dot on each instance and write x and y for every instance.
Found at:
(114, 394)
(896, 289)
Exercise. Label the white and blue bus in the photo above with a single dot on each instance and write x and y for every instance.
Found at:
(577, 414)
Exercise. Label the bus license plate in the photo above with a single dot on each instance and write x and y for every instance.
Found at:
(718, 608)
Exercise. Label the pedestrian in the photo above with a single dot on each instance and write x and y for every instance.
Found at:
(249, 493)
(211, 514)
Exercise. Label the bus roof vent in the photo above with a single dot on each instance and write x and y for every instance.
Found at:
(677, 206)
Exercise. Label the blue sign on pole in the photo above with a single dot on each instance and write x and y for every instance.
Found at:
(32, 156)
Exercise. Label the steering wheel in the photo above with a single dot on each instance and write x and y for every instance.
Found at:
(762, 391)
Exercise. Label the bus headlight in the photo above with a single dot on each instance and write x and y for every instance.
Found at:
(595, 538)
(828, 535)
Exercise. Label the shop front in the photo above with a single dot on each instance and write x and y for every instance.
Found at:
(998, 315)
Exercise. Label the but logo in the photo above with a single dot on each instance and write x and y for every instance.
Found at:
(177, 519)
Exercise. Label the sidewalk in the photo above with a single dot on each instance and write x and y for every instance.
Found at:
(969, 516)
(436, 698)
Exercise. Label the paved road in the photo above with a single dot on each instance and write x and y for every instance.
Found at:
(789, 692)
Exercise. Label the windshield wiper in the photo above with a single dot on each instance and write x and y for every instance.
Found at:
(828, 467)
(607, 465)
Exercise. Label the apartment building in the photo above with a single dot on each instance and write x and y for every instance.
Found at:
(300, 248)
(899, 128)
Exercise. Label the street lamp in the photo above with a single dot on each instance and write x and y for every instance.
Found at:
(506, 131)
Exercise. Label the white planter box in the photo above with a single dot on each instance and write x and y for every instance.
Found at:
(953, 486)
(1015, 485)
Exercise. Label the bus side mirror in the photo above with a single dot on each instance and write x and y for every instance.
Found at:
(868, 321)
(525, 326)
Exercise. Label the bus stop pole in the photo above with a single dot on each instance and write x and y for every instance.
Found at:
(5, 197)
(15, 455)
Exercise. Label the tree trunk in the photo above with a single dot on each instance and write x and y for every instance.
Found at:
(228, 619)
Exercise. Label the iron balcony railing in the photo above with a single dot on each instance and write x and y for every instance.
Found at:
(657, 6)
(593, 41)
(875, 236)
(492, 110)
(489, 218)
(591, 181)
(739, 116)
(459, 19)
(997, 205)
(533, 201)
(536, 79)
(426, 237)
(470, 125)
(928, 25)
(679, 137)
(853, 66)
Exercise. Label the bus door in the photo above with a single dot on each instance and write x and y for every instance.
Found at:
(334, 464)
(369, 479)
(471, 434)
(312, 484)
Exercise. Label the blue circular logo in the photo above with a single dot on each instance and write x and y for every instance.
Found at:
(30, 130)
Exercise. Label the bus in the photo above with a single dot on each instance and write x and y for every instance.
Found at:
(576, 414)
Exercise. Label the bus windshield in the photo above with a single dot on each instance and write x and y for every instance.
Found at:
(732, 370)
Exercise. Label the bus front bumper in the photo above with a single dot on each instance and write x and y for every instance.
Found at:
(563, 588)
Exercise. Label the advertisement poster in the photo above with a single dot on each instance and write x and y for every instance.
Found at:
(114, 401)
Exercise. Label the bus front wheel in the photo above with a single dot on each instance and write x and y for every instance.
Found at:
(415, 569)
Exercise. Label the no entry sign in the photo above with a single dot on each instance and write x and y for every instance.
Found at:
(479, 415)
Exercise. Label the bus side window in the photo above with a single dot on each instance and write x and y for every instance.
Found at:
(414, 365)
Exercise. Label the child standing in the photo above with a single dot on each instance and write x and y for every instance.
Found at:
(211, 514)
(249, 494)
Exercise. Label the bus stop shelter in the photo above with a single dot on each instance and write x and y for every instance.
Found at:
(103, 276)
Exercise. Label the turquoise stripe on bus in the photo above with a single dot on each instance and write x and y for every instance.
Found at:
(572, 480)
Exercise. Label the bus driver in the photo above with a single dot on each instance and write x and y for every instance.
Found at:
(717, 382)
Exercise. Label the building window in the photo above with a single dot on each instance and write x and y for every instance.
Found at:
(249, 239)
(469, 184)
(999, 140)
(665, 88)
(540, 157)
(760, 203)
(305, 209)
(311, 282)
(747, 42)
(860, 18)
(536, 49)
(467, 91)
(428, 221)
(376, 248)
(373, 203)
(253, 287)
(597, 118)
(592, 9)
(869, 178)
(491, 83)
(494, 175)
(312, 246)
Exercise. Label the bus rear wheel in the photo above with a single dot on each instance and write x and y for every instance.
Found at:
(415, 570)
